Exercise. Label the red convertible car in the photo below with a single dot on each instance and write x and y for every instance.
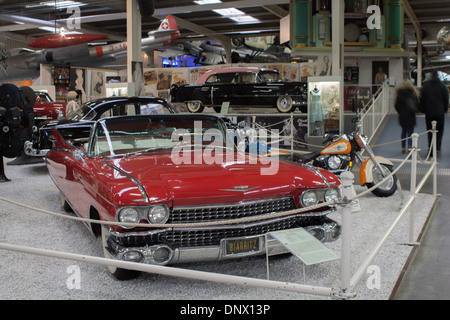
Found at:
(127, 170)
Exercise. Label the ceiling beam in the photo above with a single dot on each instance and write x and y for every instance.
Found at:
(276, 10)
(36, 23)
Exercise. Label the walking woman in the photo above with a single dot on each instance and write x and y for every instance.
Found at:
(406, 105)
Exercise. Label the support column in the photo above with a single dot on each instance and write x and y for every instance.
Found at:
(134, 30)
(300, 23)
(395, 25)
(337, 53)
(337, 38)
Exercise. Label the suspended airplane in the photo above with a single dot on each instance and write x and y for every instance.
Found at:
(206, 53)
(24, 64)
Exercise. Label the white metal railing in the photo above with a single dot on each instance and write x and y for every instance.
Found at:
(375, 111)
(348, 282)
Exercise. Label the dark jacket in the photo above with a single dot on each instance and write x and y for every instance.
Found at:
(434, 98)
(406, 104)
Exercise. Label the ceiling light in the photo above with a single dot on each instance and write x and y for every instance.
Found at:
(236, 15)
(57, 4)
(202, 2)
(230, 13)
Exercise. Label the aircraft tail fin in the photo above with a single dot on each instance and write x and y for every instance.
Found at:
(169, 23)
(167, 26)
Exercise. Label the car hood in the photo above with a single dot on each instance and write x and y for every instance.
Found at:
(226, 182)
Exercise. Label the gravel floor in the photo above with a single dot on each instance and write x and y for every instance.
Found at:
(26, 276)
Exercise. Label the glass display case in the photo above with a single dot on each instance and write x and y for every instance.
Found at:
(324, 105)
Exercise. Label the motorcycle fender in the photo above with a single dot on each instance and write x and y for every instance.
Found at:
(365, 173)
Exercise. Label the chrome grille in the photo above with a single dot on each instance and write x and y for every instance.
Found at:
(230, 211)
(176, 238)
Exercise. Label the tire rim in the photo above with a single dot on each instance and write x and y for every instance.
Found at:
(378, 177)
(194, 106)
(285, 103)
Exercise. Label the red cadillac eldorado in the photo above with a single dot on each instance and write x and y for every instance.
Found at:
(155, 170)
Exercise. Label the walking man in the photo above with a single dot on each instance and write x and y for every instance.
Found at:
(434, 103)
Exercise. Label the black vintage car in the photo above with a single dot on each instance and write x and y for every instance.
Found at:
(242, 87)
(93, 110)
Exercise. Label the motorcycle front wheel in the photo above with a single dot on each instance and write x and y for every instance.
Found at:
(387, 188)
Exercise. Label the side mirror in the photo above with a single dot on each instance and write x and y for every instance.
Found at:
(79, 155)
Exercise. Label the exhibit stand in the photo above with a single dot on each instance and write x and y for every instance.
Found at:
(324, 106)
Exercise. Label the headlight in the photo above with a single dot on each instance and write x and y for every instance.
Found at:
(128, 215)
(309, 198)
(331, 194)
(334, 162)
(158, 214)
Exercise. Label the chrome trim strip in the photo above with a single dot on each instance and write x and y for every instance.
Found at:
(228, 205)
(138, 184)
(241, 188)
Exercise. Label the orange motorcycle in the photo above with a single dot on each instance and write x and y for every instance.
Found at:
(342, 152)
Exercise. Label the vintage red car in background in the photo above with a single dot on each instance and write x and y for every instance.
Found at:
(128, 170)
(46, 109)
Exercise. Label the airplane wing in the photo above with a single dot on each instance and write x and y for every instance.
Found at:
(80, 54)
(171, 53)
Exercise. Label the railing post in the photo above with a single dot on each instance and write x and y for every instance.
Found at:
(346, 236)
(292, 133)
(434, 146)
(415, 138)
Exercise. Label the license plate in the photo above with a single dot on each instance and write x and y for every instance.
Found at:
(242, 246)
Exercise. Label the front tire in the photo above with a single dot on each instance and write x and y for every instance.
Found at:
(389, 187)
(195, 106)
(118, 273)
(66, 206)
(285, 104)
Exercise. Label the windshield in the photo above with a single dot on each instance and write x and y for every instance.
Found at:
(94, 110)
(269, 76)
(80, 113)
(139, 134)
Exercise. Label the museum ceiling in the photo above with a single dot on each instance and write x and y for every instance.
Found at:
(25, 20)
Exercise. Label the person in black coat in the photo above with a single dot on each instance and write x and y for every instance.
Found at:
(434, 103)
(406, 105)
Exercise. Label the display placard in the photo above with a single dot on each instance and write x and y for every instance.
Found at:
(304, 246)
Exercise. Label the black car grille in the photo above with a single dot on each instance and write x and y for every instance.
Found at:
(230, 211)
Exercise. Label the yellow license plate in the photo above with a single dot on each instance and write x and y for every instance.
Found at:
(242, 245)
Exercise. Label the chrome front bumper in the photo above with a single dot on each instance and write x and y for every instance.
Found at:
(164, 255)
(30, 151)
